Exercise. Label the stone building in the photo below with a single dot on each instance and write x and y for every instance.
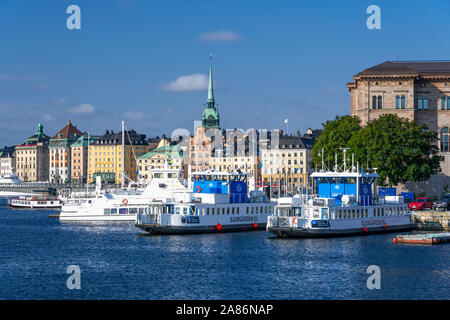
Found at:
(79, 158)
(106, 157)
(60, 153)
(164, 155)
(7, 161)
(416, 90)
(32, 157)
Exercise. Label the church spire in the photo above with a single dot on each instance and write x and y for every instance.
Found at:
(210, 118)
(210, 85)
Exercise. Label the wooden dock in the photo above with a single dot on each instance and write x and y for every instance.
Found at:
(425, 238)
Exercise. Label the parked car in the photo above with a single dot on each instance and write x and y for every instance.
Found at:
(443, 203)
(420, 204)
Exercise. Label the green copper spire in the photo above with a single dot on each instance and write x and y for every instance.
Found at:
(210, 118)
(210, 86)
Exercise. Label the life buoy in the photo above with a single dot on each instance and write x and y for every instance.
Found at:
(198, 189)
(125, 201)
(295, 220)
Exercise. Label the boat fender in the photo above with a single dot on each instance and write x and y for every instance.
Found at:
(125, 201)
(295, 220)
(365, 229)
(219, 227)
(198, 189)
(255, 225)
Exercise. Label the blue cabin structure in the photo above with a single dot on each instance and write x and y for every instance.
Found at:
(234, 184)
(334, 185)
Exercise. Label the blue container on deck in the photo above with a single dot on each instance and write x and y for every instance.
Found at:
(407, 195)
(387, 191)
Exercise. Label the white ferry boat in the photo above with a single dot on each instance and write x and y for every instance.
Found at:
(34, 202)
(123, 205)
(217, 202)
(10, 179)
(345, 205)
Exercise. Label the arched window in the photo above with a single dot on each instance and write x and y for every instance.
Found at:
(403, 102)
(374, 102)
(444, 137)
(443, 103)
(380, 102)
(397, 102)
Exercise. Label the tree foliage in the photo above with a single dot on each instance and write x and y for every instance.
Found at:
(335, 135)
(400, 149)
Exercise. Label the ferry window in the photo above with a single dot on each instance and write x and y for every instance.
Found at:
(113, 211)
(251, 210)
(382, 211)
(228, 210)
(212, 211)
(344, 214)
(367, 212)
(256, 209)
(122, 210)
(141, 210)
(232, 210)
(247, 210)
(353, 213)
(340, 214)
(132, 210)
(197, 211)
(177, 210)
(107, 211)
(223, 210)
(237, 210)
(207, 211)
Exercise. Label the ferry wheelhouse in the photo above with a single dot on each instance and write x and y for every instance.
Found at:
(217, 202)
(346, 204)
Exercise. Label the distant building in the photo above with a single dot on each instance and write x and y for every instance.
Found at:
(106, 156)
(7, 161)
(79, 159)
(60, 153)
(164, 155)
(32, 157)
(416, 90)
(289, 163)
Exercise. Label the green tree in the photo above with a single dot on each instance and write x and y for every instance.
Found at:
(399, 149)
(335, 135)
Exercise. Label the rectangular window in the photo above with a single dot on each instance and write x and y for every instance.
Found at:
(425, 103)
(374, 102)
(442, 103)
(419, 103)
(448, 103)
(403, 101)
(397, 102)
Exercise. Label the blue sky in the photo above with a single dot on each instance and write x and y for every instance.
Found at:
(272, 60)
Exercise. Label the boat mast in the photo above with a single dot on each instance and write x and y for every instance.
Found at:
(87, 168)
(123, 154)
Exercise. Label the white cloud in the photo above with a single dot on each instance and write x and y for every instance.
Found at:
(60, 101)
(83, 109)
(220, 36)
(48, 117)
(193, 82)
(132, 115)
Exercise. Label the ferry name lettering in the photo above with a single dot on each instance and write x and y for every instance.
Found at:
(372, 222)
(238, 219)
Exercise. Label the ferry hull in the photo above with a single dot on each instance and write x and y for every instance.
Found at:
(12, 206)
(167, 230)
(329, 233)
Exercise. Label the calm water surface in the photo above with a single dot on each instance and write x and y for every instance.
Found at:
(118, 262)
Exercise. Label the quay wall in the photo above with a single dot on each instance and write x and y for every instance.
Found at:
(431, 220)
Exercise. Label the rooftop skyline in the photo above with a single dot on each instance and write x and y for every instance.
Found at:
(148, 62)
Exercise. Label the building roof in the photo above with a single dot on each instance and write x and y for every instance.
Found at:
(411, 68)
(7, 152)
(173, 151)
(40, 136)
(69, 132)
(83, 140)
(111, 138)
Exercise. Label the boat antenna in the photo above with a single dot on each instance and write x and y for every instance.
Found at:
(345, 160)
(353, 162)
(335, 162)
(323, 164)
(123, 154)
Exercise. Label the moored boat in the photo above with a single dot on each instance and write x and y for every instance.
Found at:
(35, 202)
(217, 202)
(346, 204)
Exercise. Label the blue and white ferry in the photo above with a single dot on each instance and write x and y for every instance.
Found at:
(216, 202)
(346, 204)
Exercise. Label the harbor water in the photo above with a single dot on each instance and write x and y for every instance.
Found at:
(117, 261)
